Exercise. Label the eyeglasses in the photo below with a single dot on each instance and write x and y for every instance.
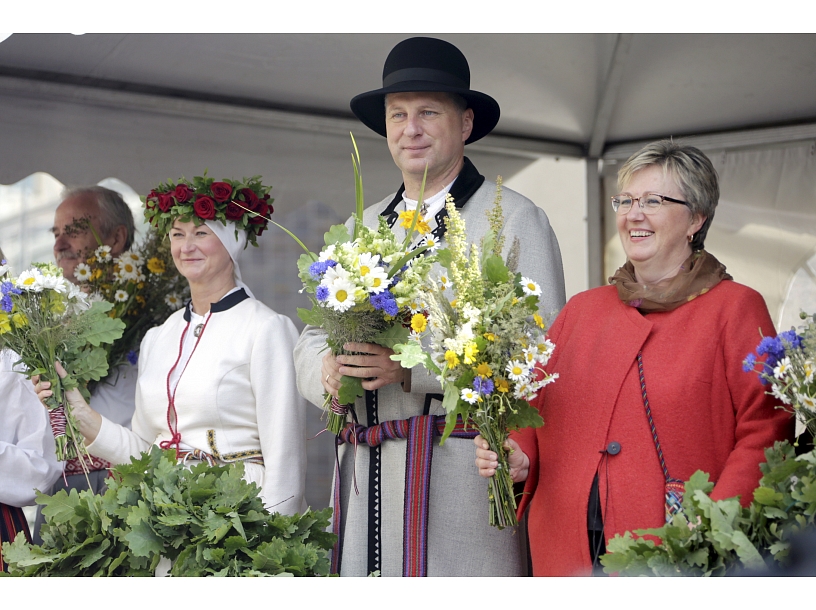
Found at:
(649, 203)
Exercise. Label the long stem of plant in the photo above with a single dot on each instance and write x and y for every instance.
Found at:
(501, 500)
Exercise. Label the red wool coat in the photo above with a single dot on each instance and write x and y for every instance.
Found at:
(710, 415)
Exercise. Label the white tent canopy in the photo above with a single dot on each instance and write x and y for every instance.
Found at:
(144, 108)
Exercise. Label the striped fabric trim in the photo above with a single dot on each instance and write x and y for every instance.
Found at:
(417, 483)
(419, 431)
(12, 521)
(93, 463)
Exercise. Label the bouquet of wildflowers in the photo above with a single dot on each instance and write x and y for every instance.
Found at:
(142, 284)
(363, 286)
(789, 366)
(487, 346)
(44, 318)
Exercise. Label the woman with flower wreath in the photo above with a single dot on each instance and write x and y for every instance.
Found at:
(651, 385)
(217, 380)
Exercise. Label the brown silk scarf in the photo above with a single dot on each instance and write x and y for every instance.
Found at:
(698, 274)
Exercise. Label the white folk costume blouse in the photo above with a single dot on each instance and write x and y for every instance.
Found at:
(27, 458)
(236, 399)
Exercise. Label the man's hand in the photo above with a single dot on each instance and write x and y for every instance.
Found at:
(372, 363)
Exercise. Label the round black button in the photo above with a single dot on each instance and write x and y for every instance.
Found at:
(613, 448)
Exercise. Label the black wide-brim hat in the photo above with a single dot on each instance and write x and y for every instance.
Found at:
(426, 64)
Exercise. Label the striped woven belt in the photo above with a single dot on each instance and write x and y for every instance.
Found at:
(202, 456)
(93, 463)
(419, 432)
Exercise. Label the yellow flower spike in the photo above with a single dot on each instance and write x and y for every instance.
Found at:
(419, 323)
(514, 301)
(451, 359)
(484, 370)
(97, 273)
(502, 385)
(489, 336)
(538, 320)
(471, 349)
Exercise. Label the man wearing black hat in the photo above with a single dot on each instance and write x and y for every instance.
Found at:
(401, 508)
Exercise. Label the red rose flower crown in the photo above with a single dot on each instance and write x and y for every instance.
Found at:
(244, 202)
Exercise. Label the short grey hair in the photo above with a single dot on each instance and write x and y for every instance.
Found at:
(691, 170)
(113, 211)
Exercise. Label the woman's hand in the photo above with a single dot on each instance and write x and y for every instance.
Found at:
(89, 420)
(487, 460)
(372, 362)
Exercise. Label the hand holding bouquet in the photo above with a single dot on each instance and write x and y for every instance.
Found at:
(362, 286)
(44, 318)
(487, 346)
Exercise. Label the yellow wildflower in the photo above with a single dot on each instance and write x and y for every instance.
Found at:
(451, 358)
(484, 370)
(514, 301)
(502, 385)
(19, 319)
(453, 303)
(156, 265)
(489, 336)
(471, 349)
(140, 299)
(407, 218)
(538, 320)
(5, 325)
(97, 273)
(419, 323)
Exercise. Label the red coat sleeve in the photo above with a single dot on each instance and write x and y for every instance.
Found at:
(758, 422)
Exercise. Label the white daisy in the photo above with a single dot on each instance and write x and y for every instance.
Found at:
(30, 280)
(333, 274)
(807, 402)
(126, 270)
(120, 296)
(103, 253)
(376, 280)
(341, 295)
(779, 395)
(431, 242)
(517, 370)
(808, 369)
(327, 254)
(530, 287)
(82, 272)
(469, 395)
(367, 262)
(782, 368)
(444, 282)
(173, 300)
(132, 257)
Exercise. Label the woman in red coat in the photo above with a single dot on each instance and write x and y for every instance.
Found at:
(592, 471)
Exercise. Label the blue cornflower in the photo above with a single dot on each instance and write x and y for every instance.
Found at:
(8, 288)
(483, 386)
(790, 338)
(748, 363)
(133, 357)
(386, 302)
(6, 304)
(322, 293)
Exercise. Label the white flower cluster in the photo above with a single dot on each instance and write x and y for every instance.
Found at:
(39, 279)
(522, 370)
